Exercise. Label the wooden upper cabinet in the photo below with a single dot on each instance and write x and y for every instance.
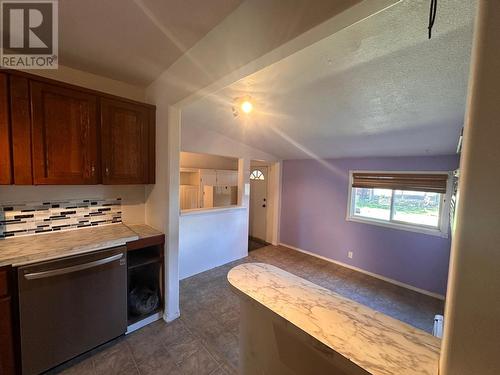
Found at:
(20, 120)
(64, 135)
(5, 143)
(54, 133)
(127, 139)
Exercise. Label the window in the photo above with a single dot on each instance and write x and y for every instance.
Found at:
(409, 201)
(257, 175)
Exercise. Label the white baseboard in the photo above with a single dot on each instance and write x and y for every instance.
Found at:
(392, 281)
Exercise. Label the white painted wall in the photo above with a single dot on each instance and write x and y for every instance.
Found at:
(162, 199)
(471, 341)
(213, 238)
(210, 239)
(274, 203)
(194, 139)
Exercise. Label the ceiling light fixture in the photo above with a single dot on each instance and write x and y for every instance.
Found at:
(246, 106)
(243, 104)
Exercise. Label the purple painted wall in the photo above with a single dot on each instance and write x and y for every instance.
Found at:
(313, 218)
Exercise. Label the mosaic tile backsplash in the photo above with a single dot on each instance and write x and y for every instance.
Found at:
(22, 219)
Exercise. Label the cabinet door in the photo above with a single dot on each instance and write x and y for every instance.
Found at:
(125, 130)
(189, 197)
(7, 362)
(20, 126)
(208, 177)
(233, 178)
(221, 178)
(227, 178)
(5, 144)
(64, 135)
(7, 354)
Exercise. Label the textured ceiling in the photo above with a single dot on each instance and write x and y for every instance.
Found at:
(377, 88)
(134, 40)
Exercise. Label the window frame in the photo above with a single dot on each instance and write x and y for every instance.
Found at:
(444, 208)
(257, 178)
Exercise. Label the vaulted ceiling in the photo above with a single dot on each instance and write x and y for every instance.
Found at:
(134, 40)
(378, 87)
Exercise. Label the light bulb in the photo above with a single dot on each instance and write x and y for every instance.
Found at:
(246, 106)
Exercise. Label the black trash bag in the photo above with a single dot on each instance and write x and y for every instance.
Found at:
(143, 300)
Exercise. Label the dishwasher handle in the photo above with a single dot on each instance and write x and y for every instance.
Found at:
(78, 267)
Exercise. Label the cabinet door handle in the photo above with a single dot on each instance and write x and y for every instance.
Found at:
(107, 171)
(92, 169)
(78, 267)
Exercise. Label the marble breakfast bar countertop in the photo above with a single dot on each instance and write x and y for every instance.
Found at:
(37, 248)
(373, 341)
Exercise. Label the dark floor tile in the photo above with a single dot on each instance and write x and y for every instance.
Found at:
(116, 359)
(231, 319)
(228, 369)
(184, 348)
(144, 343)
(211, 330)
(161, 363)
(223, 305)
(254, 245)
(191, 305)
(227, 346)
(198, 321)
(200, 363)
(169, 333)
(80, 366)
(219, 371)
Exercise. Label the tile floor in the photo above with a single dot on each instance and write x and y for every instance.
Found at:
(204, 341)
(254, 245)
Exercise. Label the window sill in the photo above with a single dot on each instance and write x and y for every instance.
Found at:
(203, 211)
(392, 225)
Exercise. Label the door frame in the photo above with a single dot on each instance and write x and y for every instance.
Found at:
(258, 184)
(273, 200)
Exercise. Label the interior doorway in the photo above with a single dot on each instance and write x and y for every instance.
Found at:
(259, 205)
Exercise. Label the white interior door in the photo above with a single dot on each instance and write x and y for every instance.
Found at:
(258, 202)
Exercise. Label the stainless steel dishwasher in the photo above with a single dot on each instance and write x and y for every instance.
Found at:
(70, 306)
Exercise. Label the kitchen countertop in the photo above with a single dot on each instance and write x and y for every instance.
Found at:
(30, 249)
(375, 342)
(144, 231)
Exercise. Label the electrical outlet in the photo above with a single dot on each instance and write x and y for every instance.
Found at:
(350, 254)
